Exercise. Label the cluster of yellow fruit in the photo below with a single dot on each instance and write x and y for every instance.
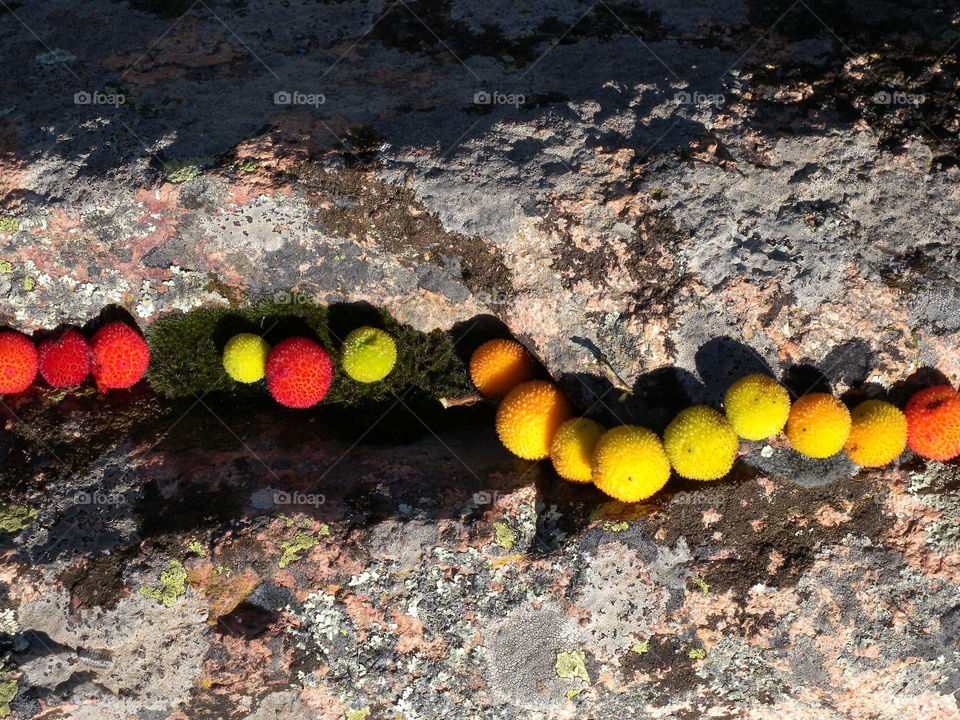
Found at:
(631, 463)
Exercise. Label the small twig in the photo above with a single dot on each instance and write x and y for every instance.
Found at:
(613, 376)
(464, 400)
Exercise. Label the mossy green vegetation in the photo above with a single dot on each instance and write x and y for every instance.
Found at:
(8, 223)
(14, 518)
(8, 691)
(180, 171)
(186, 350)
(173, 584)
(293, 549)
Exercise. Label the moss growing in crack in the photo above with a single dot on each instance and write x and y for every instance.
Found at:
(14, 518)
(504, 536)
(293, 549)
(181, 171)
(173, 584)
(186, 351)
(8, 691)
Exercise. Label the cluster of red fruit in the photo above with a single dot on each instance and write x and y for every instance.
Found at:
(116, 355)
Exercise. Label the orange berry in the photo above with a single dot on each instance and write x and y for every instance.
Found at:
(818, 426)
(529, 417)
(499, 365)
(933, 422)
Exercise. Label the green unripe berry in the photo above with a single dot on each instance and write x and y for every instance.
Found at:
(369, 354)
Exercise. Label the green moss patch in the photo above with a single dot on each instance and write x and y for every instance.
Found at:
(14, 518)
(186, 350)
(173, 584)
(8, 691)
(293, 549)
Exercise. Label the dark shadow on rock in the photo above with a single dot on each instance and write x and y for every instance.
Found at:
(804, 379)
(109, 314)
(660, 394)
(342, 318)
(790, 465)
(866, 391)
(230, 325)
(470, 334)
(656, 397)
(924, 377)
(722, 361)
(281, 327)
(849, 363)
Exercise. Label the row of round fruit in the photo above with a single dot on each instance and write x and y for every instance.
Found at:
(631, 463)
(534, 419)
(298, 370)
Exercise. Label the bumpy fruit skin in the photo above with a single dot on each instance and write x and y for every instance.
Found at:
(757, 407)
(630, 464)
(120, 356)
(572, 448)
(18, 362)
(65, 359)
(369, 354)
(933, 423)
(245, 357)
(299, 372)
(529, 417)
(818, 426)
(499, 365)
(700, 443)
(878, 434)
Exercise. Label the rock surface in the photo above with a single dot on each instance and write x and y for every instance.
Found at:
(695, 190)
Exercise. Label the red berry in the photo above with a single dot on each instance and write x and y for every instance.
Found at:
(298, 372)
(65, 359)
(18, 362)
(933, 422)
(120, 356)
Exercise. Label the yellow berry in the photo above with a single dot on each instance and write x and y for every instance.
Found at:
(700, 443)
(245, 357)
(572, 448)
(878, 434)
(629, 463)
(499, 365)
(529, 417)
(818, 426)
(757, 407)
